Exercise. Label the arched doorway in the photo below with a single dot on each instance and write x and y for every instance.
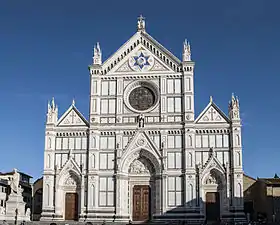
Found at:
(141, 183)
(68, 196)
(140, 174)
(214, 192)
(71, 198)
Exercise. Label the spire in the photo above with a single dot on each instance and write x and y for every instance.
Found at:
(49, 106)
(186, 51)
(234, 108)
(53, 104)
(141, 23)
(211, 99)
(52, 112)
(97, 55)
(73, 102)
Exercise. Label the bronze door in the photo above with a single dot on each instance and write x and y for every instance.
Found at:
(212, 206)
(141, 202)
(71, 206)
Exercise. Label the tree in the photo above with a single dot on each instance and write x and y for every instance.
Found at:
(276, 176)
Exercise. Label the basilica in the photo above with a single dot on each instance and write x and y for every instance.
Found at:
(143, 154)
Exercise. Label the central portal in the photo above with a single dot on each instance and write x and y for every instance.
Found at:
(141, 203)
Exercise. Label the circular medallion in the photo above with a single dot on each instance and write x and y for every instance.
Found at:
(141, 142)
(141, 98)
(141, 61)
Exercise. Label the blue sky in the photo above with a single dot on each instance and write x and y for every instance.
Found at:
(46, 46)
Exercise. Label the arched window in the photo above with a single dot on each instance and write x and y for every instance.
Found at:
(190, 140)
(237, 139)
(239, 194)
(48, 161)
(190, 198)
(190, 159)
(48, 194)
(92, 195)
(49, 142)
(93, 161)
(93, 143)
(238, 158)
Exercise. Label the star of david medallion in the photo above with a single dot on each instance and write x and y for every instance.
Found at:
(142, 61)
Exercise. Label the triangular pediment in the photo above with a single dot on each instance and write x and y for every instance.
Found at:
(154, 65)
(212, 163)
(141, 140)
(123, 60)
(212, 114)
(72, 117)
(70, 165)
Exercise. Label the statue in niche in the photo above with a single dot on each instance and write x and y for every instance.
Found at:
(70, 181)
(15, 182)
(141, 119)
(213, 179)
(138, 167)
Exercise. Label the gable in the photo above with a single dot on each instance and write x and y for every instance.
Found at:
(212, 114)
(211, 163)
(145, 41)
(141, 139)
(141, 60)
(72, 117)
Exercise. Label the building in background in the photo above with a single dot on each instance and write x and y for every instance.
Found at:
(143, 155)
(37, 199)
(262, 198)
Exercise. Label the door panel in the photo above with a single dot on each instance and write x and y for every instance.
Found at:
(212, 206)
(71, 206)
(141, 202)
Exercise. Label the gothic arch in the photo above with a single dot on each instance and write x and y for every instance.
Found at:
(214, 177)
(71, 174)
(140, 153)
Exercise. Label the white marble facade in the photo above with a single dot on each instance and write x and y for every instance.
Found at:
(145, 137)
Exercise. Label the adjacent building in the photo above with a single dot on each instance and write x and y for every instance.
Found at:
(143, 154)
(37, 199)
(262, 198)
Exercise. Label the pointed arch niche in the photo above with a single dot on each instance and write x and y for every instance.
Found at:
(68, 182)
(214, 181)
(139, 168)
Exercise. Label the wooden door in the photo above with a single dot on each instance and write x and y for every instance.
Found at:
(71, 206)
(141, 203)
(212, 206)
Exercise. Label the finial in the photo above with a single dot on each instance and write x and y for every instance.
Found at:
(49, 105)
(141, 23)
(186, 51)
(211, 99)
(97, 54)
(53, 104)
(232, 96)
(73, 102)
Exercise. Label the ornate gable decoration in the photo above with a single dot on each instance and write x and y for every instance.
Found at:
(212, 163)
(139, 166)
(142, 61)
(212, 114)
(72, 117)
(141, 53)
(141, 139)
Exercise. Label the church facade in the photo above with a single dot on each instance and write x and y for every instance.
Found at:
(143, 154)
